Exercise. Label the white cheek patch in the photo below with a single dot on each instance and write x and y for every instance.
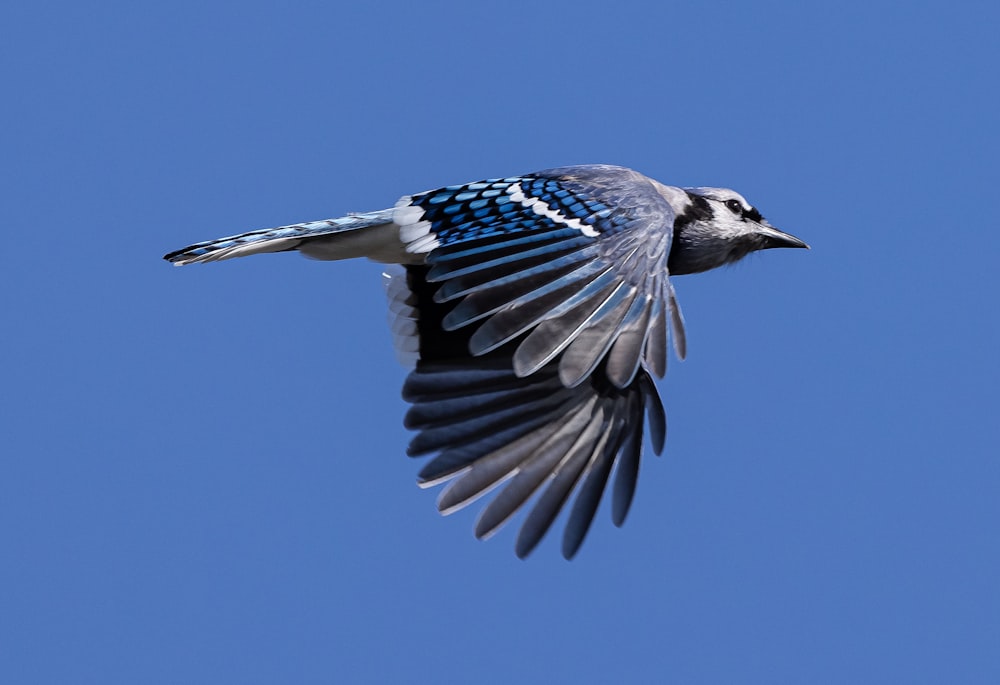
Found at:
(414, 232)
(541, 208)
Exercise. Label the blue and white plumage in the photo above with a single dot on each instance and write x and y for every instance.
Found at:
(537, 308)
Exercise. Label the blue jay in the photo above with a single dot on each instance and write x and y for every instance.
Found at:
(537, 308)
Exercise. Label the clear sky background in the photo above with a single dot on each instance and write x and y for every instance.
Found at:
(203, 476)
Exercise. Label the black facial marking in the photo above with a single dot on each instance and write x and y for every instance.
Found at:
(698, 210)
(753, 215)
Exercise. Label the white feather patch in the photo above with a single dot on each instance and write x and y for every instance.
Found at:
(542, 209)
(404, 213)
(424, 244)
(414, 232)
(410, 232)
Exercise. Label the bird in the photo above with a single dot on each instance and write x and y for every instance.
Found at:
(536, 311)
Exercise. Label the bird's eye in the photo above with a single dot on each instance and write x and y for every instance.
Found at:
(735, 206)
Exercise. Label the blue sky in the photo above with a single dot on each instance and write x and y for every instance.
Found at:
(204, 479)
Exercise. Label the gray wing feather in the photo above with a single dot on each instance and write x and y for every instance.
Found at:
(472, 423)
(462, 460)
(552, 335)
(491, 469)
(626, 352)
(584, 509)
(534, 472)
(626, 477)
(531, 276)
(655, 416)
(543, 514)
(509, 323)
(676, 324)
(590, 346)
(656, 341)
(496, 299)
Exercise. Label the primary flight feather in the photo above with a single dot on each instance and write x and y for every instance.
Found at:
(537, 309)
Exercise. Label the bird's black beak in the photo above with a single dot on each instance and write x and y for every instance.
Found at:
(772, 237)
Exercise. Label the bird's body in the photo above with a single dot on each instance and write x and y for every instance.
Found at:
(537, 308)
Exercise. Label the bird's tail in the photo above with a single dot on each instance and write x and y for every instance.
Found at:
(371, 234)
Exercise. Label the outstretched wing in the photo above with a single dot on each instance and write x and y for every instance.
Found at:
(570, 263)
(540, 311)
(528, 434)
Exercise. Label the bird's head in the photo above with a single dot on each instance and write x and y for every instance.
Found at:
(718, 226)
